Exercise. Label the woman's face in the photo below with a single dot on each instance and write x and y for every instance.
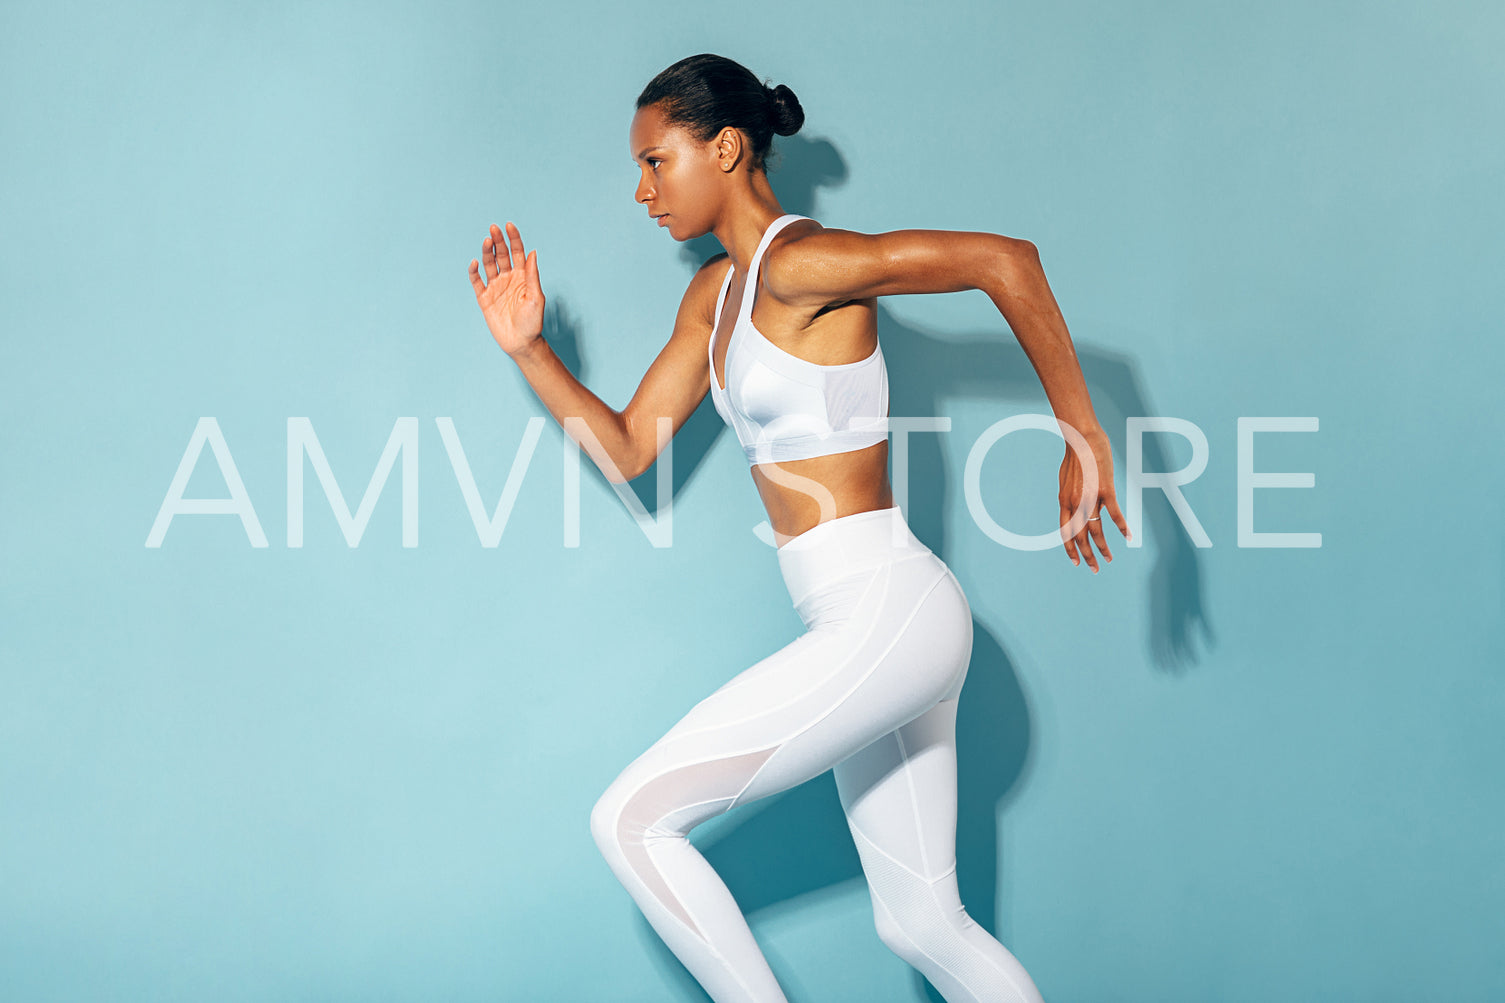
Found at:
(678, 178)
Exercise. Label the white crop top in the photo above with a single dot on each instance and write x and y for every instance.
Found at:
(783, 407)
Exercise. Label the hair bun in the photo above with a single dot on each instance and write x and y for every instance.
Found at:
(784, 110)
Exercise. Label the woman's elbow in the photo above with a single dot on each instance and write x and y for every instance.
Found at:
(629, 468)
(1017, 265)
(1017, 249)
(622, 474)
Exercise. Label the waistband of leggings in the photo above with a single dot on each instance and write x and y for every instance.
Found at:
(844, 546)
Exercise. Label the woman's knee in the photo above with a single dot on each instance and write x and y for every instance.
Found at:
(632, 810)
(606, 819)
(919, 934)
(890, 932)
(915, 943)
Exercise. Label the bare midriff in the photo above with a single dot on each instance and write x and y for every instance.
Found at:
(794, 492)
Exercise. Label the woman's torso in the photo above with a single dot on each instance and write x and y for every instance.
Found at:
(836, 334)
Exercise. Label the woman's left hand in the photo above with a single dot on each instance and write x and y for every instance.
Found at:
(1074, 487)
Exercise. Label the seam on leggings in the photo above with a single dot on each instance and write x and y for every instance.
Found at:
(712, 759)
(733, 685)
(726, 964)
(885, 854)
(896, 861)
(732, 801)
(692, 927)
(899, 557)
(930, 883)
(914, 802)
(653, 827)
(836, 671)
(899, 633)
(652, 832)
(1002, 973)
(990, 962)
(895, 925)
(873, 575)
(700, 933)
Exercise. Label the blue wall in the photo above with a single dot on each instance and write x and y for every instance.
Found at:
(328, 772)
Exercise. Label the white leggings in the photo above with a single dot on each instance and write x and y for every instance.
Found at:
(870, 690)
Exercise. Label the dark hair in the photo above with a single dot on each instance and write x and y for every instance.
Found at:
(707, 93)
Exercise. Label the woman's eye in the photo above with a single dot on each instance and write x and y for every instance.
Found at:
(655, 162)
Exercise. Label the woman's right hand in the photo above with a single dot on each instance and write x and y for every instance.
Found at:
(510, 298)
(1075, 495)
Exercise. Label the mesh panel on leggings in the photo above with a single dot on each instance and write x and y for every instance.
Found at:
(930, 936)
(671, 804)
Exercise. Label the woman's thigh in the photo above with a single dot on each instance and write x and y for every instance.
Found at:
(899, 795)
(901, 645)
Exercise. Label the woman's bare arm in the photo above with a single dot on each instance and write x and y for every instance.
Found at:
(512, 302)
(830, 265)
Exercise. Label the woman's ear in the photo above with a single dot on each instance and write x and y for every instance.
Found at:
(728, 145)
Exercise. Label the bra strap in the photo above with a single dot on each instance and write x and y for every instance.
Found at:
(750, 290)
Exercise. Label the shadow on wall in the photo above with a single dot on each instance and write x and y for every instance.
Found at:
(797, 843)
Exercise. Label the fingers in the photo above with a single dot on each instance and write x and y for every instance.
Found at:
(495, 257)
(1080, 545)
(494, 251)
(1109, 507)
(1084, 547)
(516, 239)
(504, 242)
(1118, 518)
(501, 251)
(1070, 479)
(488, 256)
(1095, 527)
(1078, 489)
(1073, 544)
(498, 241)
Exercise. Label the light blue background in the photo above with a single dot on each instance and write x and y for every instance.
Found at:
(327, 773)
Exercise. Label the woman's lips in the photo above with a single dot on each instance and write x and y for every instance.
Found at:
(662, 218)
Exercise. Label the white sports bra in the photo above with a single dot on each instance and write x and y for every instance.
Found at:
(783, 407)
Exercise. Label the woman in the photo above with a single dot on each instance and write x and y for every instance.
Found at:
(780, 330)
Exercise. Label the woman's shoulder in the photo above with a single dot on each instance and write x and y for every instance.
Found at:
(806, 263)
(715, 264)
(705, 286)
(710, 276)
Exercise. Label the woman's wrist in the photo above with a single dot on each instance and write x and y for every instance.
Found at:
(530, 352)
(1089, 429)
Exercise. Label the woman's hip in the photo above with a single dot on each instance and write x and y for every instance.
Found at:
(884, 645)
(827, 569)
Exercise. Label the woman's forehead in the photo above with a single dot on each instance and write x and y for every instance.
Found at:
(648, 123)
(648, 132)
